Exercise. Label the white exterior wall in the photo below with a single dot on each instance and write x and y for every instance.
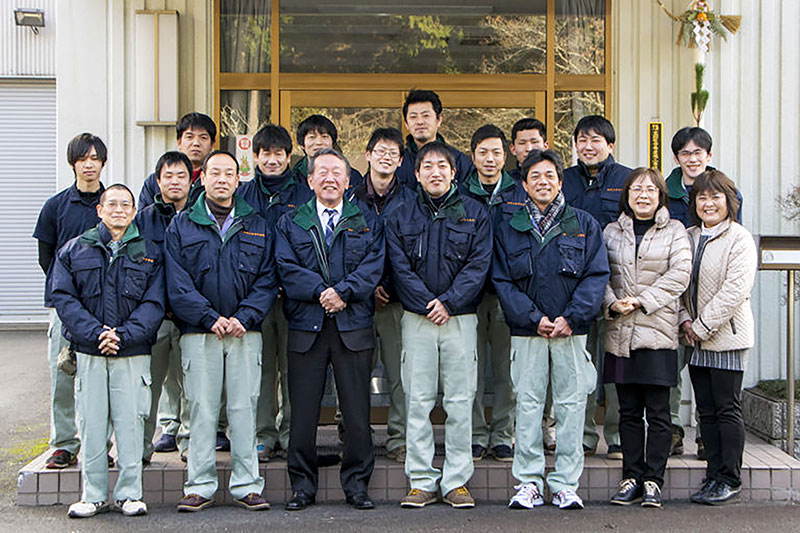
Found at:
(24, 54)
(95, 68)
(752, 115)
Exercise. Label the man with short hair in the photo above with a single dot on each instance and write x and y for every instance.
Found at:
(174, 176)
(691, 149)
(64, 216)
(221, 279)
(440, 249)
(527, 134)
(550, 270)
(315, 133)
(196, 136)
(490, 185)
(422, 115)
(330, 255)
(382, 193)
(272, 192)
(108, 287)
(595, 185)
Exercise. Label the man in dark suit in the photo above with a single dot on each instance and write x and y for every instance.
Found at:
(330, 257)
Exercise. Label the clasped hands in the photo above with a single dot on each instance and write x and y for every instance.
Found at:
(626, 305)
(555, 329)
(228, 326)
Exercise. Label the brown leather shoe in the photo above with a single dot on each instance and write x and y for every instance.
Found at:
(252, 502)
(191, 503)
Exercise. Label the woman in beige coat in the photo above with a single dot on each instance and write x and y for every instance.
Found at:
(717, 321)
(650, 262)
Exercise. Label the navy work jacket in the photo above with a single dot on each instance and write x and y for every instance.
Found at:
(406, 172)
(442, 254)
(396, 197)
(90, 290)
(679, 198)
(271, 205)
(210, 275)
(598, 196)
(63, 217)
(563, 273)
(352, 265)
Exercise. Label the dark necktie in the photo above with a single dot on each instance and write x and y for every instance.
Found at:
(329, 227)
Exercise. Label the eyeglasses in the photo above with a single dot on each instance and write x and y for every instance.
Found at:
(381, 153)
(113, 204)
(637, 189)
(696, 153)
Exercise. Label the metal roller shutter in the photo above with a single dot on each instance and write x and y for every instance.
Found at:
(27, 178)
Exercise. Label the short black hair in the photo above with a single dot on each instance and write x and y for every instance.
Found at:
(417, 96)
(435, 147)
(528, 124)
(118, 187)
(597, 124)
(173, 158)
(392, 135)
(487, 131)
(272, 136)
(329, 151)
(316, 123)
(197, 121)
(80, 146)
(217, 152)
(537, 156)
(682, 137)
(710, 181)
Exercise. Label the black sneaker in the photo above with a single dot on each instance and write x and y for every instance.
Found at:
(614, 452)
(630, 491)
(723, 494)
(166, 443)
(503, 453)
(478, 452)
(652, 494)
(223, 443)
(700, 495)
(61, 459)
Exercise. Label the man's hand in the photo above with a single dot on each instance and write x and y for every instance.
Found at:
(625, 306)
(381, 297)
(561, 328)
(220, 327)
(545, 327)
(109, 341)
(235, 328)
(330, 301)
(689, 336)
(438, 312)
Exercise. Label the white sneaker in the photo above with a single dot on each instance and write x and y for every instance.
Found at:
(86, 509)
(132, 507)
(527, 497)
(567, 499)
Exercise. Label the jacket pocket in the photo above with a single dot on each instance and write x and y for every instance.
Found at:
(251, 250)
(410, 234)
(520, 265)
(144, 396)
(88, 276)
(355, 249)
(459, 237)
(135, 283)
(572, 252)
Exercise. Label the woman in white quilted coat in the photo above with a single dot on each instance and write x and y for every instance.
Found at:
(650, 264)
(717, 321)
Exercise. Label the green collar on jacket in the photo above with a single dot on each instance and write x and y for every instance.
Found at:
(568, 223)
(675, 187)
(306, 217)
(199, 214)
(302, 166)
(474, 185)
(164, 208)
(99, 236)
(452, 208)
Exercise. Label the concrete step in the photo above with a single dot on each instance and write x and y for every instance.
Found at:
(768, 474)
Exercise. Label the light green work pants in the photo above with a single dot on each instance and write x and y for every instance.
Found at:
(595, 346)
(389, 344)
(434, 354)
(63, 430)
(493, 331)
(566, 364)
(272, 421)
(166, 354)
(208, 364)
(112, 393)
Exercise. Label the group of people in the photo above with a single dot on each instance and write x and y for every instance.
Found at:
(217, 307)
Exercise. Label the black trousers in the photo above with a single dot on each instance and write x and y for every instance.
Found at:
(637, 402)
(307, 373)
(719, 404)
